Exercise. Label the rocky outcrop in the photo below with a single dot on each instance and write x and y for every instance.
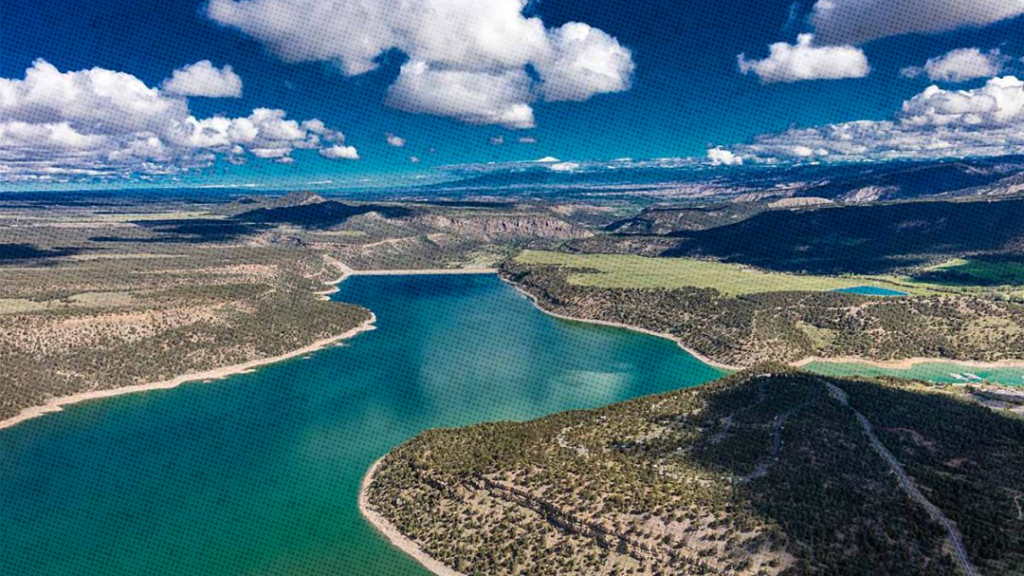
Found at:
(505, 228)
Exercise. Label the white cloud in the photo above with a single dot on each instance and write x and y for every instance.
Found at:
(859, 21)
(960, 65)
(584, 61)
(339, 151)
(414, 159)
(454, 33)
(935, 123)
(564, 167)
(104, 122)
(526, 140)
(393, 140)
(721, 157)
(476, 53)
(497, 140)
(806, 61)
(472, 97)
(204, 79)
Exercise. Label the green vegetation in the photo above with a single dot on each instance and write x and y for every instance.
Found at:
(900, 239)
(125, 289)
(760, 321)
(765, 472)
(95, 324)
(629, 271)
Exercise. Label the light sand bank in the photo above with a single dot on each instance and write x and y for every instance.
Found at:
(904, 364)
(908, 363)
(57, 404)
(397, 539)
(424, 271)
(679, 342)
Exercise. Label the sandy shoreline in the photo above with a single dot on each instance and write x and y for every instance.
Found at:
(423, 271)
(389, 531)
(908, 363)
(57, 404)
(679, 342)
(904, 364)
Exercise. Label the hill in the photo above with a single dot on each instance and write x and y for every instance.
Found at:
(862, 239)
(742, 316)
(766, 472)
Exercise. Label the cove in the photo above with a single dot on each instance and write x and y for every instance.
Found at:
(259, 473)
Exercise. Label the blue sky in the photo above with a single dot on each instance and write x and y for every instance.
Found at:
(685, 94)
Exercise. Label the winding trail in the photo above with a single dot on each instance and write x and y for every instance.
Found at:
(960, 553)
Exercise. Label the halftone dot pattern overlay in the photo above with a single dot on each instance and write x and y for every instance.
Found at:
(258, 473)
(204, 102)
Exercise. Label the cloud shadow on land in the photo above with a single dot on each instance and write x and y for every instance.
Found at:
(18, 253)
(320, 215)
(860, 239)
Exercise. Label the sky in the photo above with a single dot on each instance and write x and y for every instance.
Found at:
(225, 92)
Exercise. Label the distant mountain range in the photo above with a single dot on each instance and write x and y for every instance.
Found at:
(846, 183)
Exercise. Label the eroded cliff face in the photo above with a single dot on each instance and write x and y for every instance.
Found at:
(427, 239)
(504, 228)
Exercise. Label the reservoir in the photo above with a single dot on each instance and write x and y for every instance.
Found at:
(259, 473)
(871, 291)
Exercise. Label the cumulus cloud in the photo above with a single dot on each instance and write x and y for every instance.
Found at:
(468, 59)
(102, 122)
(859, 21)
(393, 140)
(472, 97)
(935, 123)
(339, 151)
(806, 61)
(721, 157)
(583, 61)
(204, 79)
(960, 65)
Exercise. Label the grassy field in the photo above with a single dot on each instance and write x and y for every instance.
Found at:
(628, 271)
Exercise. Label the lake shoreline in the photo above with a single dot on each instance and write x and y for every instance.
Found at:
(678, 341)
(422, 272)
(903, 364)
(58, 404)
(907, 363)
(393, 534)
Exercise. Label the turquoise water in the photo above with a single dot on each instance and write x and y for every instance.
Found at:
(871, 291)
(258, 473)
(931, 371)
